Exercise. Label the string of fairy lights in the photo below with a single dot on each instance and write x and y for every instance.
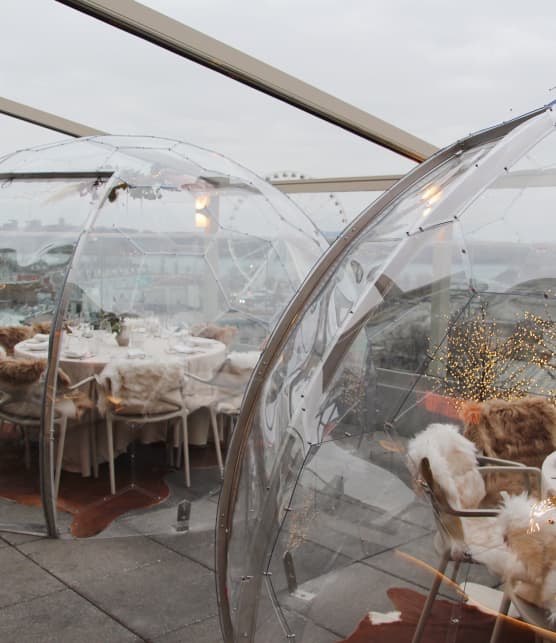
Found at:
(482, 360)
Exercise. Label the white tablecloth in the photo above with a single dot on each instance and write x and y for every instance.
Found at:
(201, 357)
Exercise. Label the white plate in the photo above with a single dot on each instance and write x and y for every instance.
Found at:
(183, 348)
(75, 354)
(136, 353)
(36, 347)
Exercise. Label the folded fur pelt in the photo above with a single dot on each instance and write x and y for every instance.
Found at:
(139, 383)
(12, 335)
(25, 371)
(241, 361)
(452, 460)
(529, 530)
(23, 381)
(523, 430)
(453, 463)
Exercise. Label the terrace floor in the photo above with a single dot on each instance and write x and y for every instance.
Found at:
(130, 583)
(136, 581)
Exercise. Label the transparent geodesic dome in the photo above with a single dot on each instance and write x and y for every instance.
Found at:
(141, 255)
(340, 501)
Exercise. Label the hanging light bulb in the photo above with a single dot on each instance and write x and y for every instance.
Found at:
(201, 201)
(201, 220)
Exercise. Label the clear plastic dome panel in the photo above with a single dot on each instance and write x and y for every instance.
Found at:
(158, 275)
(401, 439)
(69, 156)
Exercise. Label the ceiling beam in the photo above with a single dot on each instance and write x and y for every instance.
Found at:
(170, 34)
(71, 128)
(45, 119)
(337, 184)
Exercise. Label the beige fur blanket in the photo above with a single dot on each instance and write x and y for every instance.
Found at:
(139, 383)
(12, 335)
(22, 381)
(523, 430)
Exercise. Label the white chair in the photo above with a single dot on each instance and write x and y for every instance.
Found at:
(232, 380)
(449, 471)
(21, 404)
(139, 392)
(199, 394)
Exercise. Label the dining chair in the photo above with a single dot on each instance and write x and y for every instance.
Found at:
(449, 471)
(21, 391)
(136, 392)
(201, 393)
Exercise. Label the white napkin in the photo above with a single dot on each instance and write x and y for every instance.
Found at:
(36, 346)
(39, 338)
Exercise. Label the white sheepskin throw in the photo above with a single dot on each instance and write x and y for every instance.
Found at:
(240, 361)
(453, 463)
(529, 529)
(139, 383)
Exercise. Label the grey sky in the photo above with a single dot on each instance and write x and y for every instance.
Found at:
(437, 69)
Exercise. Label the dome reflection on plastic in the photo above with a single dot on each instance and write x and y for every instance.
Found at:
(440, 316)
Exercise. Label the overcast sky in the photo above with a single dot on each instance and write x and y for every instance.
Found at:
(437, 69)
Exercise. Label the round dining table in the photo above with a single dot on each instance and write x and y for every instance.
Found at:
(82, 357)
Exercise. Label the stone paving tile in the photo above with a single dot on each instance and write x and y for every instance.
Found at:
(206, 631)
(358, 538)
(63, 617)
(19, 539)
(19, 517)
(158, 598)
(422, 549)
(77, 562)
(305, 630)
(22, 580)
(365, 586)
(197, 545)
(307, 560)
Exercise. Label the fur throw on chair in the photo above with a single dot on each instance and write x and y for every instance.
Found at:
(12, 335)
(522, 430)
(529, 529)
(455, 478)
(453, 463)
(239, 362)
(138, 383)
(22, 380)
(25, 371)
